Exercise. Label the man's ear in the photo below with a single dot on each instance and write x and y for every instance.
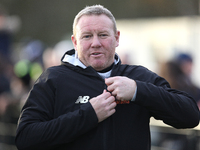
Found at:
(117, 38)
(73, 38)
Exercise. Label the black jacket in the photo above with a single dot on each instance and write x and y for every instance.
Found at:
(57, 114)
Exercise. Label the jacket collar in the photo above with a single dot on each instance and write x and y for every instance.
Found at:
(71, 57)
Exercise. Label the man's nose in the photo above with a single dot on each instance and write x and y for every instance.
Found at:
(96, 41)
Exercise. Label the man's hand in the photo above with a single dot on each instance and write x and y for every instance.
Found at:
(104, 105)
(122, 88)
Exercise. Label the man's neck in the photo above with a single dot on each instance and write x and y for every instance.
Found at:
(107, 69)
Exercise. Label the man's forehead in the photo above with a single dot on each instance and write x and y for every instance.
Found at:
(95, 21)
(94, 16)
(84, 19)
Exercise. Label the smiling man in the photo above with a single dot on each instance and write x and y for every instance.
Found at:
(93, 102)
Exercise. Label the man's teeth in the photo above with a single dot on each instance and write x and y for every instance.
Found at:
(95, 53)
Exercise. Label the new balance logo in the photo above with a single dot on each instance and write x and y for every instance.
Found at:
(83, 99)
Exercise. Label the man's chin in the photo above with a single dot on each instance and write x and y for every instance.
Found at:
(98, 67)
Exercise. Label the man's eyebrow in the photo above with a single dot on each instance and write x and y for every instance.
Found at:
(104, 31)
(85, 33)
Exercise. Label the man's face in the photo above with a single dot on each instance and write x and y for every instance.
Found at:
(95, 41)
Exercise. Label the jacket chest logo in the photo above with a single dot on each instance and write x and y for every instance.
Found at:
(82, 99)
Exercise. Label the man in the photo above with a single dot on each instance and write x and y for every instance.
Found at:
(92, 102)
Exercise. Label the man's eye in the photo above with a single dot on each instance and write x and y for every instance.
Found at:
(103, 35)
(87, 36)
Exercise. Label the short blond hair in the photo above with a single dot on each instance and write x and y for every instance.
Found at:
(94, 10)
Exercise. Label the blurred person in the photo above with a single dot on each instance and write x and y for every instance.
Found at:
(125, 58)
(33, 50)
(5, 35)
(4, 78)
(60, 48)
(9, 110)
(179, 72)
(48, 58)
(92, 101)
(8, 26)
(3, 104)
(185, 62)
(51, 56)
(29, 65)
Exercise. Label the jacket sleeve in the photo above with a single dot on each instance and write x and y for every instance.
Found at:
(37, 127)
(175, 108)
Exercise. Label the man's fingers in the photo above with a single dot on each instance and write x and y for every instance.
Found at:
(104, 95)
(112, 112)
(110, 84)
(113, 105)
(104, 91)
(110, 88)
(122, 88)
(109, 81)
(104, 105)
(111, 99)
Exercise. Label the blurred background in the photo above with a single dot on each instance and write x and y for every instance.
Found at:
(162, 35)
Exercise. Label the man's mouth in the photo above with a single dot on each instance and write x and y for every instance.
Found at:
(96, 53)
